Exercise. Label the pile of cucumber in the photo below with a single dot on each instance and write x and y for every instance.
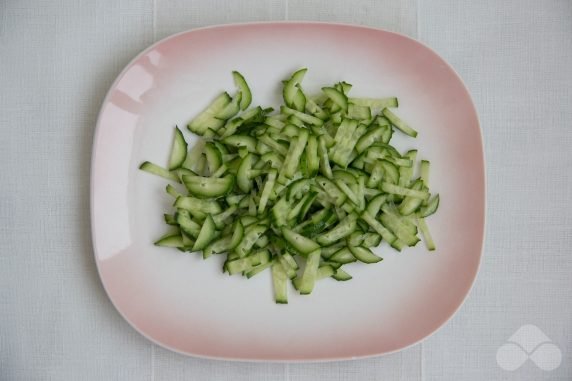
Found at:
(301, 191)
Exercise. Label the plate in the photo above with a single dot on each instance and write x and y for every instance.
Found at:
(186, 304)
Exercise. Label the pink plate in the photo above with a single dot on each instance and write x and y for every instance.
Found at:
(186, 304)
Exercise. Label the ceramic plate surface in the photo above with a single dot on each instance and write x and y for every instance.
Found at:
(186, 304)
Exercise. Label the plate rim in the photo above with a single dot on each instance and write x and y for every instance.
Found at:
(149, 48)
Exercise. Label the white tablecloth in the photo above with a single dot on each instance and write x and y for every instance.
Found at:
(57, 60)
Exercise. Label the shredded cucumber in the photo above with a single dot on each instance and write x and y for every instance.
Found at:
(316, 183)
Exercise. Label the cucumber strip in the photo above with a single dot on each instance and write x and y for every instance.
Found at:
(313, 108)
(409, 222)
(206, 119)
(194, 154)
(147, 166)
(383, 121)
(243, 178)
(325, 168)
(402, 231)
(341, 275)
(390, 172)
(240, 141)
(258, 269)
(316, 224)
(346, 138)
(298, 188)
(208, 187)
(293, 129)
(370, 137)
(262, 148)
(378, 227)
(321, 132)
(293, 156)
(170, 241)
(268, 186)
(364, 255)
(252, 205)
(220, 171)
(401, 191)
(272, 159)
(246, 264)
(424, 167)
(251, 235)
(187, 225)
(178, 150)
(280, 212)
(347, 191)
(343, 256)
(406, 173)
(400, 162)
(289, 261)
(430, 208)
(345, 176)
(170, 219)
(410, 204)
(361, 193)
(274, 121)
(206, 235)
(234, 199)
(299, 242)
(375, 103)
(230, 128)
(217, 247)
(337, 117)
(230, 110)
(312, 160)
(187, 242)
(214, 157)
(371, 240)
(356, 238)
(220, 147)
(333, 192)
(220, 218)
(290, 271)
(344, 87)
(376, 176)
(328, 251)
(243, 151)
(276, 146)
(184, 171)
(290, 89)
(325, 271)
(195, 204)
(280, 282)
(371, 193)
(305, 118)
(306, 206)
(400, 124)
(171, 191)
(359, 112)
(237, 236)
(200, 167)
(426, 234)
(375, 204)
(244, 89)
(342, 230)
(337, 97)
(295, 211)
(308, 278)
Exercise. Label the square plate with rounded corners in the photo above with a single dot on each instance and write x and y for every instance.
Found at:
(188, 305)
